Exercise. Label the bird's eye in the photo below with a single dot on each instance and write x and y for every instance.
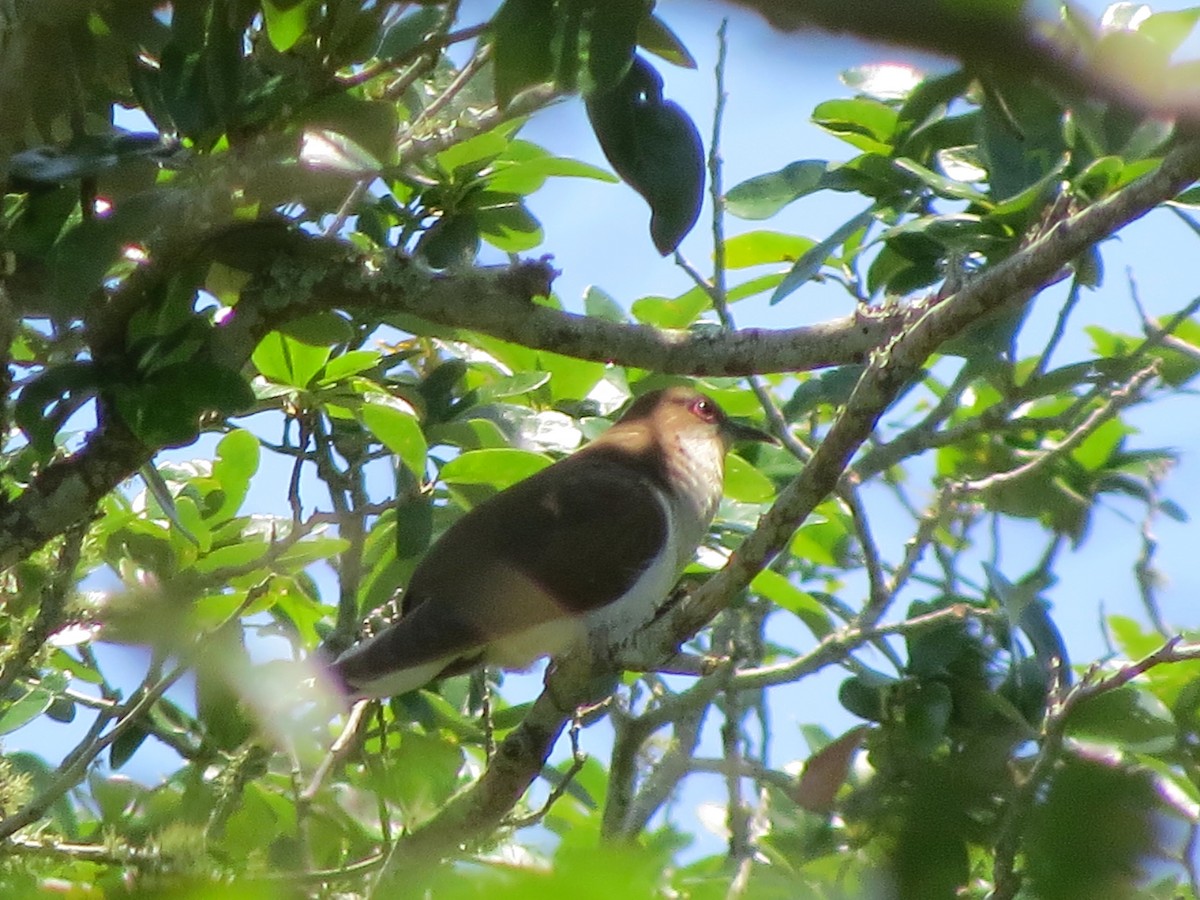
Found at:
(705, 409)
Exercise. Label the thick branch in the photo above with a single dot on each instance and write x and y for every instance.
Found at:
(1013, 281)
(1010, 281)
(500, 302)
(66, 492)
(999, 38)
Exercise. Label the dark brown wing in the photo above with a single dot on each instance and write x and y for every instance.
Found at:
(564, 542)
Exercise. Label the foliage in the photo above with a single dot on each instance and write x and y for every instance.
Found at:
(281, 276)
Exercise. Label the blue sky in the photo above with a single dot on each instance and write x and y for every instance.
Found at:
(598, 236)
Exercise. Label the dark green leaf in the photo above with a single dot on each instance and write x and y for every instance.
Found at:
(408, 32)
(50, 399)
(764, 195)
(28, 707)
(612, 35)
(414, 515)
(126, 744)
(1015, 118)
(862, 699)
(655, 148)
(814, 259)
(510, 228)
(164, 410)
(523, 36)
(1091, 832)
(1128, 717)
(452, 240)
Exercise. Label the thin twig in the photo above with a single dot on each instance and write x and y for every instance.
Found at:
(434, 42)
(1005, 877)
(51, 610)
(578, 761)
(1117, 400)
(74, 766)
(337, 751)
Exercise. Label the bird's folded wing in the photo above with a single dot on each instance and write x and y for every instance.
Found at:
(549, 548)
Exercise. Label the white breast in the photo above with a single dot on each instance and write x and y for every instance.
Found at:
(637, 606)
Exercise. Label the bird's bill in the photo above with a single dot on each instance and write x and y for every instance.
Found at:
(739, 431)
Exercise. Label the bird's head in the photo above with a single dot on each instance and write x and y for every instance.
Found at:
(686, 411)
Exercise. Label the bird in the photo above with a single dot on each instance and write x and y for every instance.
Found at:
(592, 544)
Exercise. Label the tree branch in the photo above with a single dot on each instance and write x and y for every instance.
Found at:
(522, 754)
(1000, 37)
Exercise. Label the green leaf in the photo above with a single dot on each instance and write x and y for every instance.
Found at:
(522, 42)
(398, 430)
(1170, 28)
(233, 556)
(832, 387)
(164, 410)
(126, 744)
(863, 697)
(49, 400)
(286, 22)
(612, 35)
(452, 240)
(570, 378)
(472, 434)
(414, 515)
(309, 551)
(1015, 118)
(662, 312)
(28, 707)
(600, 305)
(780, 591)
(927, 708)
(861, 122)
(469, 157)
(319, 329)
(510, 228)
(285, 360)
(1099, 446)
(1091, 832)
(764, 195)
(941, 185)
(1128, 717)
(811, 262)
(511, 386)
(405, 34)
(655, 147)
(654, 36)
(524, 167)
(819, 542)
(499, 468)
(424, 773)
(329, 151)
(745, 483)
(885, 82)
(350, 363)
(42, 779)
(236, 462)
(756, 248)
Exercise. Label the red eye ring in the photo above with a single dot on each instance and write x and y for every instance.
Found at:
(705, 409)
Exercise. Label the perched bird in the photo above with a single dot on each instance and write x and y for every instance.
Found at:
(593, 543)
